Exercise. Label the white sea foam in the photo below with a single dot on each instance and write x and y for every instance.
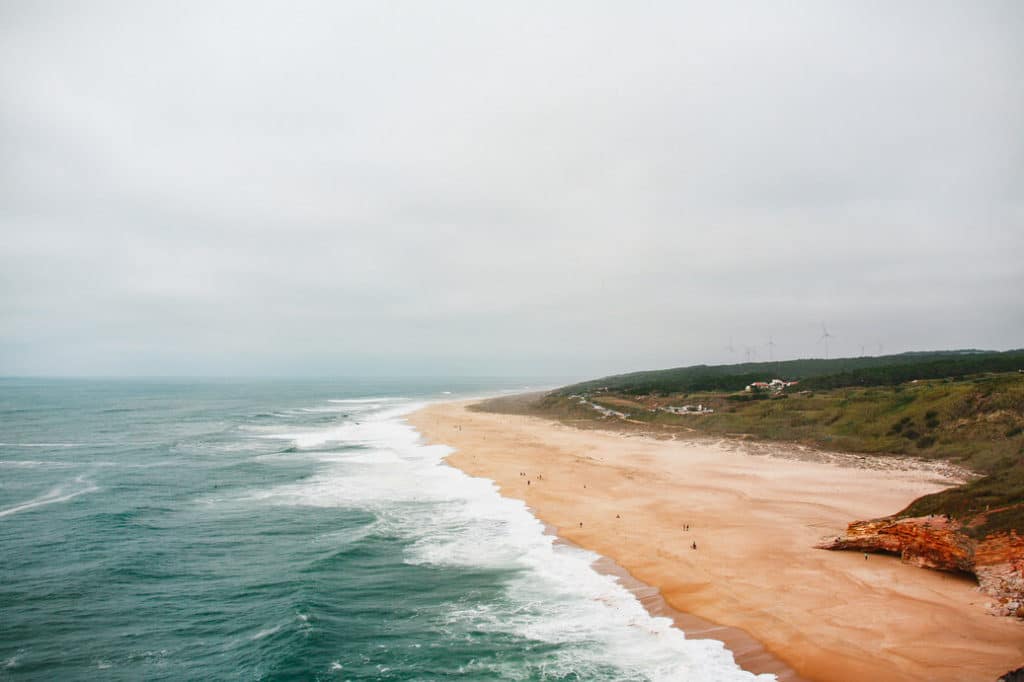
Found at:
(369, 429)
(41, 445)
(209, 447)
(80, 486)
(357, 401)
(330, 409)
(263, 633)
(34, 464)
(552, 592)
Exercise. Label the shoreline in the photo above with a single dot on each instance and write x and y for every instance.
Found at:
(822, 615)
(748, 652)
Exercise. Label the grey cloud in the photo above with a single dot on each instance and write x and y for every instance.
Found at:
(431, 187)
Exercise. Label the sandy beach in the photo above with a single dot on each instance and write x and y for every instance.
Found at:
(754, 516)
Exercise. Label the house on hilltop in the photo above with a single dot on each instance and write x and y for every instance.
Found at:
(773, 385)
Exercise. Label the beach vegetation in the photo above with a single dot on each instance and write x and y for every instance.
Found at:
(973, 420)
(816, 373)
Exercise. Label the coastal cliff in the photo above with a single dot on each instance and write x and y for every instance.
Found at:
(939, 542)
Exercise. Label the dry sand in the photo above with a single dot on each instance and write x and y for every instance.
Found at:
(755, 519)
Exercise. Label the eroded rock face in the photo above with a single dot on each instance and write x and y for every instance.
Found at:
(940, 543)
(999, 566)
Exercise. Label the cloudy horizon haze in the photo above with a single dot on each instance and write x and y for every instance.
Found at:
(560, 189)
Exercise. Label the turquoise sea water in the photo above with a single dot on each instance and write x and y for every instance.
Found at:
(181, 530)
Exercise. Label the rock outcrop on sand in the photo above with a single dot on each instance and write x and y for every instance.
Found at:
(941, 543)
(1013, 676)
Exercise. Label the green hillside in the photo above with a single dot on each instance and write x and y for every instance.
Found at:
(966, 407)
(814, 373)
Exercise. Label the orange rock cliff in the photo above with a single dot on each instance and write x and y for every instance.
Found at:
(941, 543)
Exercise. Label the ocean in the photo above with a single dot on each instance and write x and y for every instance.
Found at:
(289, 530)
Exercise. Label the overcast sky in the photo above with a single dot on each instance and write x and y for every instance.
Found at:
(569, 188)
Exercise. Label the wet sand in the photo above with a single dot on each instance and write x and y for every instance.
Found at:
(755, 519)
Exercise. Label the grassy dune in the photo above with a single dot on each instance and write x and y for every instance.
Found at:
(976, 422)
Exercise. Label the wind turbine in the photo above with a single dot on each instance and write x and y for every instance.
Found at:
(771, 348)
(862, 347)
(825, 336)
(730, 347)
